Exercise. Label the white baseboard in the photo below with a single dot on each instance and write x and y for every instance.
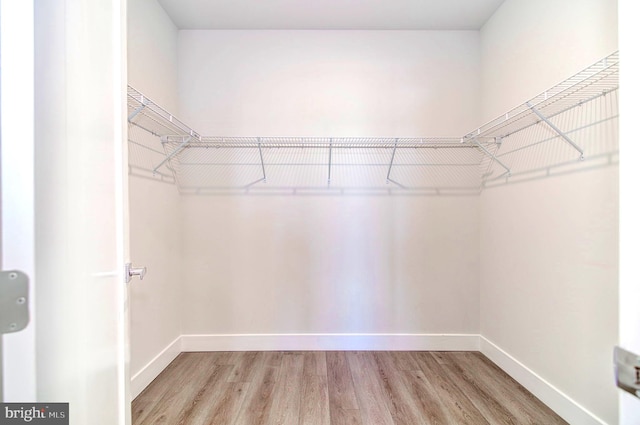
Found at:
(558, 401)
(141, 379)
(331, 342)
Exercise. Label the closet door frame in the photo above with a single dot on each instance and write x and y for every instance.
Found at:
(17, 212)
(629, 284)
(65, 206)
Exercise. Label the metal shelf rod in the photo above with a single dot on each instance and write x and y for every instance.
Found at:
(393, 155)
(557, 130)
(330, 149)
(172, 154)
(264, 174)
(493, 157)
(143, 104)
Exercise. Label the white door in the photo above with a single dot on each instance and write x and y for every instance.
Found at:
(17, 244)
(629, 291)
(79, 204)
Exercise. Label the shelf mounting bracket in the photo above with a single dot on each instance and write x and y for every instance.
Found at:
(143, 103)
(330, 150)
(493, 157)
(264, 174)
(174, 153)
(393, 155)
(557, 130)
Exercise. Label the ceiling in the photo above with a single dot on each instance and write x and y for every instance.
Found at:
(331, 14)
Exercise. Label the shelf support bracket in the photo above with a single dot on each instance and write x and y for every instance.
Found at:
(144, 102)
(172, 154)
(264, 174)
(330, 150)
(493, 157)
(557, 130)
(393, 155)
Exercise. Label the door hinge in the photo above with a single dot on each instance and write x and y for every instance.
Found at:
(14, 301)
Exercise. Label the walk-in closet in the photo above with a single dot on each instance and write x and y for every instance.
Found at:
(373, 212)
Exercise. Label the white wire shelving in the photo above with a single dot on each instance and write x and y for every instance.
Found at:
(569, 127)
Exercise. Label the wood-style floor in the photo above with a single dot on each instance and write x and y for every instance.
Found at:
(356, 388)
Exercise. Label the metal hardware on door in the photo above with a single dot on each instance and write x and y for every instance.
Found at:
(14, 301)
(627, 366)
(130, 271)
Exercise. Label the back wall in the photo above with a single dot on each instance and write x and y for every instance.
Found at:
(329, 264)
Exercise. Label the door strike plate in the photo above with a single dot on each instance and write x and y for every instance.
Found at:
(627, 366)
(14, 301)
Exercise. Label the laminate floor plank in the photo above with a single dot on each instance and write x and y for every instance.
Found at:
(315, 363)
(425, 395)
(403, 360)
(520, 403)
(180, 398)
(337, 388)
(157, 389)
(458, 407)
(226, 410)
(487, 401)
(246, 366)
(257, 403)
(315, 401)
(399, 401)
(341, 416)
(341, 391)
(343, 404)
(285, 408)
(208, 395)
(371, 396)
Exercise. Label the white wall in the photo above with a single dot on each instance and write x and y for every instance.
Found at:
(528, 46)
(330, 265)
(329, 83)
(154, 206)
(549, 248)
(300, 264)
(152, 52)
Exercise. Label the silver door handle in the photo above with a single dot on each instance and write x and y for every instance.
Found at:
(130, 272)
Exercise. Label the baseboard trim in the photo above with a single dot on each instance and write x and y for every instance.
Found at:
(141, 379)
(331, 342)
(558, 401)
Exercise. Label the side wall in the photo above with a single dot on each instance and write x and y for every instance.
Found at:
(154, 206)
(329, 264)
(549, 247)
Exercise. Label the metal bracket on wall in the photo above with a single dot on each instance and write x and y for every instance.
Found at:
(393, 156)
(143, 103)
(330, 151)
(14, 301)
(493, 157)
(557, 130)
(264, 173)
(627, 365)
(174, 153)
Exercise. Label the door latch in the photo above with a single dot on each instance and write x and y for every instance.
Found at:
(14, 301)
(627, 366)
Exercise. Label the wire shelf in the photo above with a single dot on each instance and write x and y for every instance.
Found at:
(576, 119)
